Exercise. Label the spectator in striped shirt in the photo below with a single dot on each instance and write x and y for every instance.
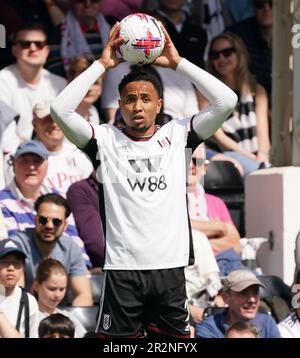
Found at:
(47, 239)
(30, 165)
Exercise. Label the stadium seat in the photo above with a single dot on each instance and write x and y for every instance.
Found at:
(277, 296)
(96, 284)
(275, 287)
(86, 315)
(224, 180)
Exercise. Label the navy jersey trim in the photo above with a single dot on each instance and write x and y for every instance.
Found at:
(193, 139)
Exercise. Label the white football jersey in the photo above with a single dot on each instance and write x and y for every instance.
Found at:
(143, 205)
(144, 185)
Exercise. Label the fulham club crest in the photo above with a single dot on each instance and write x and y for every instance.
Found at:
(164, 143)
(106, 322)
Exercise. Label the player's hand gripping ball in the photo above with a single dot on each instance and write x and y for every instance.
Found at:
(143, 37)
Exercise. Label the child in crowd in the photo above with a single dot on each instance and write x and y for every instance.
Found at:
(56, 326)
(18, 309)
(242, 329)
(50, 286)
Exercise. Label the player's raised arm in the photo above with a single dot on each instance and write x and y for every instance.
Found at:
(76, 128)
(169, 56)
(221, 98)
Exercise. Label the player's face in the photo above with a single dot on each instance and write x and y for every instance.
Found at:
(139, 105)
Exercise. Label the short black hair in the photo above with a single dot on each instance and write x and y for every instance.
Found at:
(28, 26)
(56, 323)
(55, 199)
(140, 75)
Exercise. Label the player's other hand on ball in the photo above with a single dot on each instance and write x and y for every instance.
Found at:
(169, 56)
(109, 56)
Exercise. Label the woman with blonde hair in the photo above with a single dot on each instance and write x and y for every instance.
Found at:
(244, 136)
(86, 108)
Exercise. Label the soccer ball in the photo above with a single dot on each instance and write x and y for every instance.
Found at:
(143, 37)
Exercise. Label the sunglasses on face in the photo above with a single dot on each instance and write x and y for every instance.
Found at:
(226, 52)
(260, 4)
(43, 220)
(24, 44)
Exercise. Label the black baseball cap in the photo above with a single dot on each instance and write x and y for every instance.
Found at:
(8, 246)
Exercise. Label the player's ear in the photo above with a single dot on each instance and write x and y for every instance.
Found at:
(159, 105)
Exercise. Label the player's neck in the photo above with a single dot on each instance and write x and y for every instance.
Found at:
(140, 136)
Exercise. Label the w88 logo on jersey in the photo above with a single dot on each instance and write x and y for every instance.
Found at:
(151, 183)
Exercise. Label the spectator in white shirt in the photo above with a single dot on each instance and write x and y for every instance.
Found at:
(66, 163)
(26, 82)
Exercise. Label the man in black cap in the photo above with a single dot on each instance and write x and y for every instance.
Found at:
(13, 313)
(241, 295)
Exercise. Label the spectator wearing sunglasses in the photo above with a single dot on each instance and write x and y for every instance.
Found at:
(47, 239)
(26, 82)
(30, 167)
(256, 32)
(244, 136)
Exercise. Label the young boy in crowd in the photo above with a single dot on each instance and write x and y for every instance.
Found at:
(19, 313)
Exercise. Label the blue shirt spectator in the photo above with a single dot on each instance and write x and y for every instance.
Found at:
(216, 326)
(65, 250)
(241, 294)
(47, 239)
